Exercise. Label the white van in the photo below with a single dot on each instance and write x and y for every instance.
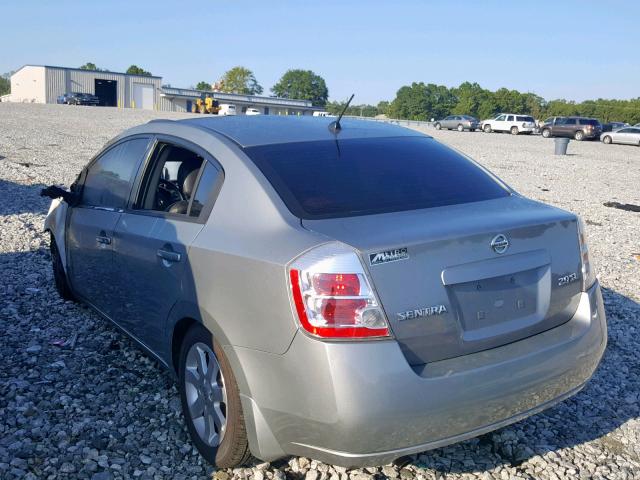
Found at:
(227, 109)
(322, 114)
(252, 111)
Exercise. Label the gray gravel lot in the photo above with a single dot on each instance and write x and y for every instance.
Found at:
(79, 400)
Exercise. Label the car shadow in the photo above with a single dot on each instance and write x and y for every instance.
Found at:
(18, 198)
(608, 401)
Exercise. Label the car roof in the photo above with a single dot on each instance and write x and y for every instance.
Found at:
(254, 130)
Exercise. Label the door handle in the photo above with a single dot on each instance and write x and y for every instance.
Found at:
(103, 240)
(169, 256)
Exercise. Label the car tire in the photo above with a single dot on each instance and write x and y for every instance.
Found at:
(472, 130)
(546, 133)
(579, 135)
(218, 413)
(460, 128)
(438, 126)
(487, 128)
(59, 275)
(607, 140)
(514, 131)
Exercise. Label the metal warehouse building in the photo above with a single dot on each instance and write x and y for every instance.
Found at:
(44, 83)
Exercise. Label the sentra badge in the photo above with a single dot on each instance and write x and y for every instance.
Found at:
(388, 256)
(422, 312)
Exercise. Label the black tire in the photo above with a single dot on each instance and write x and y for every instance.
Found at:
(460, 128)
(579, 135)
(473, 130)
(59, 275)
(487, 128)
(438, 126)
(234, 448)
(546, 133)
(607, 139)
(514, 131)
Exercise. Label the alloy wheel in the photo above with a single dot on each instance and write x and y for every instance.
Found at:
(206, 394)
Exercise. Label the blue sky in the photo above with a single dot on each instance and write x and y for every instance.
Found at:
(558, 49)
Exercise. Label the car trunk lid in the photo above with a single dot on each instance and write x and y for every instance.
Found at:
(445, 288)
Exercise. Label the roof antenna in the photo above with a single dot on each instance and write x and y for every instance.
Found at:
(334, 127)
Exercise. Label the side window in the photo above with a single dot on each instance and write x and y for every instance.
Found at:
(510, 118)
(570, 121)
(206, 186)
(501, 118)
(627, 130)
(110, 177)
(169, 180)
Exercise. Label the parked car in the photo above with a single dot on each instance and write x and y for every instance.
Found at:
(510, 122)
(227, 109)
(613, 126)
(252, 111)
(628, 136)
(371, 281)
(458, 122)
(578, 128)
(322, 114)
(77, 98)
(637, 125)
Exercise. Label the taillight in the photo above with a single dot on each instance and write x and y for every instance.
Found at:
(588, 272)
(333, 297)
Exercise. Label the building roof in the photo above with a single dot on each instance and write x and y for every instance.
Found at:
(254, 130)
(87, 71)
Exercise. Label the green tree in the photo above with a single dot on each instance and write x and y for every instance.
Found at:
(383, 107)
(136, 70)
(364, 110)
(5, 85)
(303, 85)
(203, 86)
(240, 80)
(90, 66)
(422, 102)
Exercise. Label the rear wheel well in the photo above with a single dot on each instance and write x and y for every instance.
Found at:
(180, 329)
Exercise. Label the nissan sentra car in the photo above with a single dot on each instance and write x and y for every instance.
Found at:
(351, 294)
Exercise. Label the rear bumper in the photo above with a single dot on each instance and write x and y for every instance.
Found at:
(359, 404)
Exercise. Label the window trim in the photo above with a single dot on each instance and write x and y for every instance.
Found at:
(106, 149)
(185, 217)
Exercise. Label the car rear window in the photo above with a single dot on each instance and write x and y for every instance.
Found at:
(588, 121)
(344, 178)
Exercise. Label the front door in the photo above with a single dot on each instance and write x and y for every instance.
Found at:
(153, 238)
(92, 223)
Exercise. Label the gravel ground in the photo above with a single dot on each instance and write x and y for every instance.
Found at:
(79, 400)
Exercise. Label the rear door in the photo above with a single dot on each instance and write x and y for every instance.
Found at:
(90, 228)
(153, 236)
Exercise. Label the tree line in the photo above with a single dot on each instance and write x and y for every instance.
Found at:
(420, 101)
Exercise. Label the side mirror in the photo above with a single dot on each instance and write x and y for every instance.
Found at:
(54, 192)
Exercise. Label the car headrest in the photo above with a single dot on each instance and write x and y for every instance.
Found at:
(188, 165)
(189, 183)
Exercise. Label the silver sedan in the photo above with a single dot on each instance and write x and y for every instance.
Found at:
(458, 122)
(352, 293)
(627, 136)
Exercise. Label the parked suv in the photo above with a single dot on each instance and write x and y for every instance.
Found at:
(459, 122)
(578, 128)
(510, 122)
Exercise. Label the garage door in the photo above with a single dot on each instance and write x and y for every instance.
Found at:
(143, 96)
